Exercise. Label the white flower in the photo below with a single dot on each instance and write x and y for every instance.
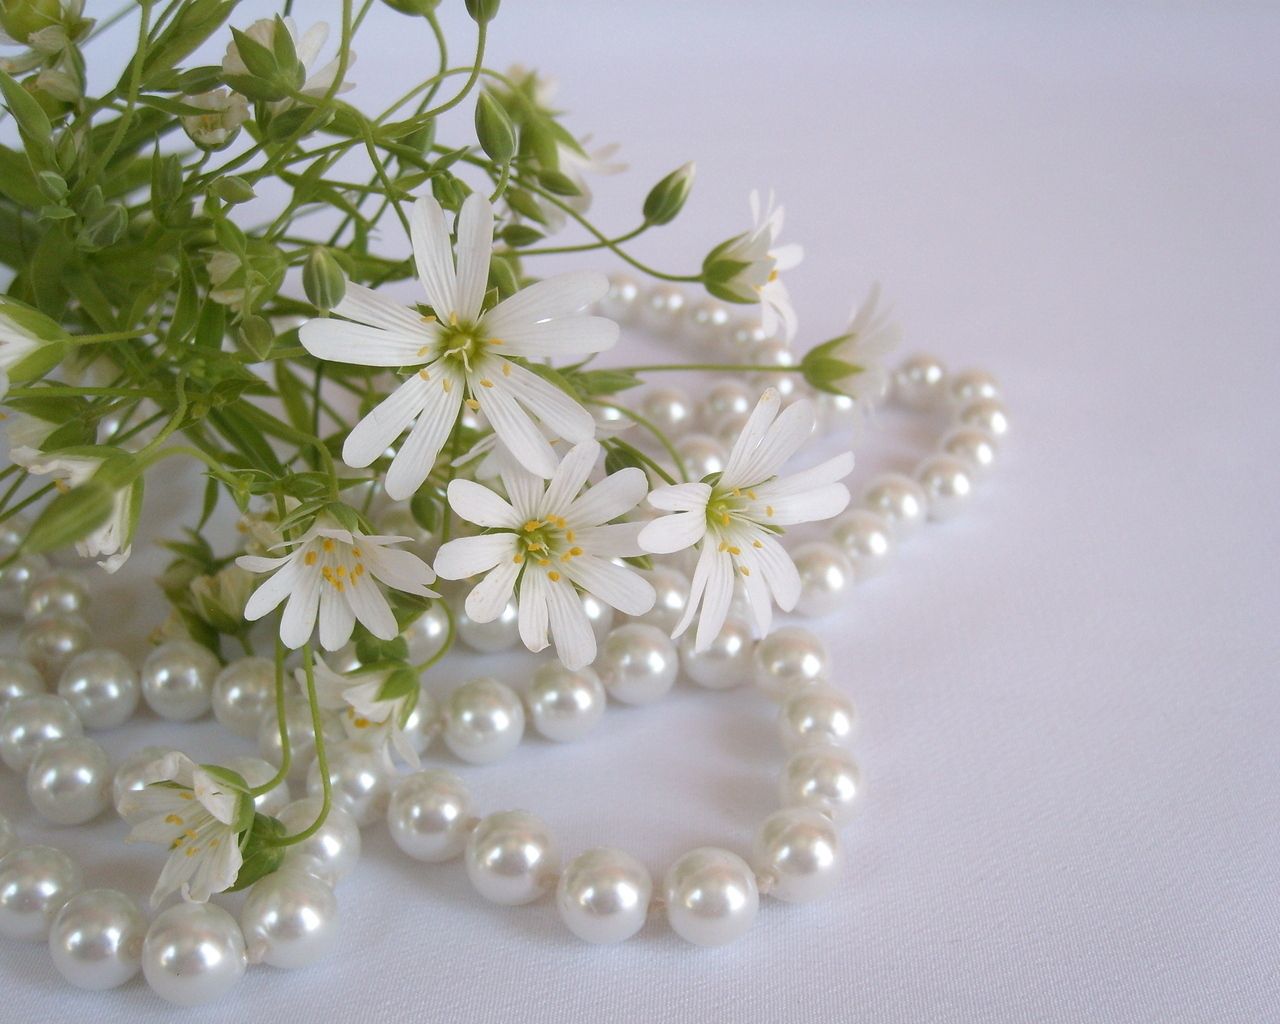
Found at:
(227, 111)
(16, 343)
(462, 352)
(25, 435)
(553, 543)
(736, 520)
(307, 46)
(196, 816)
(330, 575)
(369, 712)
(112, 541)
(495, 457)
(757, 279)
(866, 343)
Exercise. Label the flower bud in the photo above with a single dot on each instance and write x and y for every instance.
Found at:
(494, 129)
(226, 112)
(666, 199)
(322, 279)
(423, 7)
(482, 11)
(102, 228)
(20, 18)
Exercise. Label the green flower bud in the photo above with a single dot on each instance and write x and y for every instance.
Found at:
(666, 199)
(322, 279)
(106, 227)
(494, 129)
(233, 189)
(256, 336)
(19, 18)
(483, 11)
(422, 7)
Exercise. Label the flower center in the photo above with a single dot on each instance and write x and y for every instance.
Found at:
(339, 564)
(548, 543)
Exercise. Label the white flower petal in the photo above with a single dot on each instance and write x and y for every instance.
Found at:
(570, 475)
(220, 802)
(475, 245)
(299, 618)
(466, 556)
(613, 540)
(370, 607)
(337, 620)
(669, 534)
(385, 422)
(618, 587)
(400, 570)
(779, 572)
(783, 439)
(698, 586)
(412, 463)
(557, 296)
(272, 591)
(516, 430)
(524, 489)
(753, 432)
(567, 337)
(491, 594)
(716, 600)
(477, 504)
(533, 610)
(805, 507)
(824, 473)
(564, 416)
(341, 341)
(366, 306)
(433, 256)
(613, 496)
(687, 497)
(570, 628)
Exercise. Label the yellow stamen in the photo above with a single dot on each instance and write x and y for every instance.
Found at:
(518, 559)
(173, 819)
(424, 375)
(424, 350)
(724, 518)
(751, 494)
(357, 572)
(532, 525)
(327, 544)
(757, 544)
(506, 369)
(186, 795)
(62, 486)
(744, 570)
(428, 319)
(356, 552)
(446, 384)
(553, 576)
(575, 551)
(544, 561)
(189, 833)
(192, 851)
(735, 550)
(310, 558)
(495, 341)
(338, 585)
(473, 405)
(361, 723)
(485, 382)
(568, 535)
(453, 319)
(342, 571)
(768, 510)
(327, 573)
(176, 843)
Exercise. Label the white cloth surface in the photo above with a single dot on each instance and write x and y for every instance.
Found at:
(1068, 695)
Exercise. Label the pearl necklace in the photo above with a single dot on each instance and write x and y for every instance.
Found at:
(99, 938)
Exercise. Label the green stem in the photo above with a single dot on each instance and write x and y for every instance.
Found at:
(550, 250)
(444, 648)
(322, 761)
(718, 367)
(286, 752)
(653, 428)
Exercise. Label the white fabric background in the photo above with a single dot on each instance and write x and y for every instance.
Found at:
(1069, 694)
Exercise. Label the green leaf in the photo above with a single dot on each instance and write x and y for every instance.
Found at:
(603, 382)
(558, 184)
(260, 61)
(32, 121)
(69, 517)
(518, 235)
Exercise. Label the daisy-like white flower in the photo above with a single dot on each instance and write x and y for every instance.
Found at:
(198, 817)
(224, 112)
(736, 520)
(307, 46)
(111, 542)
(375, 705)
(329, 575)
(746, 268)
(463, 352)
(552, 541)
(866, 344)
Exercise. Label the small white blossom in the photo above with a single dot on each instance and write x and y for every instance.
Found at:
(461, 351)
(225, 110)
(763, 260)
(368, 713)
(866, 343)
(736, 520)
(16, 343)
(329, 575)
(195, 815)
(307, 46)
(552, 541)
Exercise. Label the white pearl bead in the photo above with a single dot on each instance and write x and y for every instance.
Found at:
(662, 308)
(35, 882)
(797, 853)
(12, 533)
(50, 641)
(430, 815)
(619, 302)
(258, 772)
(826, 780)
(776, 352)
(726, 663)
(971, 386)
(177, 680)
(8, 836)
(637, 663)
(193, 953)
(332, 851)
(16, 577)
(701, 455)
(836, 412)
(971, 445)
(243, 693)
(565, 705)
(18, 678)
(398, 521)
(671, 588)
(744, 339)
(711, 896)
(357, 781)
(899, 501)
(426, 634)
(866, 541)
(706, 323)
(500, 634)
(668, 408)
(28, 722)
(727, 396)
(826, 577)
(986, 414)
(947, 482)
(96, 939)
(483, 721)
(68, 781)
(819, 716)
(730, 428)
(128, 778)
(919, 382)
(512, 858)
(302, 741)
(423, 723)
(788, 659)
(599, 614)
(289, 919)
(344, 660)
(102, 687)
(56, 592)
(603, 896)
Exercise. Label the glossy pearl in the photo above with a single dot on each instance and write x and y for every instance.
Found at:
(512, 858)
(743, 339)
(818, 716)
(96, 939)
(18, 678)
(672, 589)
(797, 855)
(603, 896)
(426, 634)
(866, 540)
(28, 722)
(501, 634)
(193, 953)
(56, 592)
(102, 687)
(243, 692)
(919, 382)
(899, 501)
(971, 445)
(128, 778)
(52, 640)
(68, 781)
(662, 308)
(345, 659)
(668, 408)
(729, 429)
(16, 577)
(289, 919)
(701, 455)
(706, 323)
(788, 659)
(776, 352)
(836, 412)
(257, 772)
(430, 815)
(725, 397)
(398, 521)
(565, 705)
(332, 852)
(637, 663)
(986, 414)
(947, 482)
(8, 836)
(726, 663)
(971, 386)
(619, 302)
(826, 577)
(357, 780)
(423, 723)
(483, 721)
(711, 896)
(12, 532)
(35, 883)
(825, 780)
(177, 680)
(599, 614)
(302, 741)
